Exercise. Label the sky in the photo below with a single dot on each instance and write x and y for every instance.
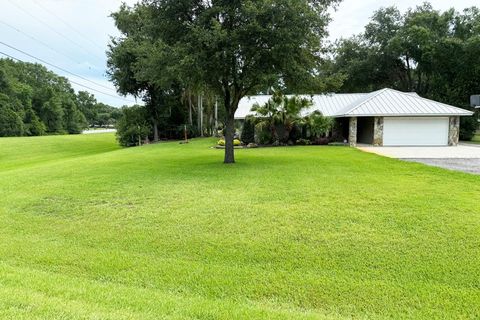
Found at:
(73, 34)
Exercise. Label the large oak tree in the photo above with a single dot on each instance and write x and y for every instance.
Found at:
(232, 47)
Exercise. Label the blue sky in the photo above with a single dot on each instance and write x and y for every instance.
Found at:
(79, 46)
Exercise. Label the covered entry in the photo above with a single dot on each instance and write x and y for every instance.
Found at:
(415, 131)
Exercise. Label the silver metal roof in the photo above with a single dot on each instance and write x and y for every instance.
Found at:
(389, 102)
(328, 104)
(385, 102)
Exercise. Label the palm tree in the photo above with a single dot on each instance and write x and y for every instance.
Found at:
(290, 113)
(317, 125)
(283, 110)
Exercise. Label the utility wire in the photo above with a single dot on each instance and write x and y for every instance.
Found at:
(78, 84)
(54, 30)
(56, 67)
(67, 24)
(39, 41)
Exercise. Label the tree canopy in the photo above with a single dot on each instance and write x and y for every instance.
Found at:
(35, 101)
(230, 48)
(434, 53)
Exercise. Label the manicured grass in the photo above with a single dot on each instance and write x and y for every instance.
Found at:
(167, 231)
(476, 138)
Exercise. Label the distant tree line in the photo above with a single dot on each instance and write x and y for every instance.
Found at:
(433, 53)
(35, 101)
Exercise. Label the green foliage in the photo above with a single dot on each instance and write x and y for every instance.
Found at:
(52, 115)
(44, 101)
(231, 48)
(33, 125)
(248, 130)
(436, 54)
(303, 142)
(74, 120)
(132, 127)
(285, 112)
(468, 128)
(317, 126)
(10, 123)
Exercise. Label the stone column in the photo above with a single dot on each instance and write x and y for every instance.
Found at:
(352, 132)
(454, 131)
(378, 131)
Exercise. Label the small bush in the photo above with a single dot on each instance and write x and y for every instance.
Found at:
(248, 131)
(468, 127)
(321, 141)
(303, 142)
(236, 142)
(263, 136)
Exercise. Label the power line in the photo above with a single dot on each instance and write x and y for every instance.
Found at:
(54, 30)
(67, 24)
(39, 41)
(78, 84)
(56, 67)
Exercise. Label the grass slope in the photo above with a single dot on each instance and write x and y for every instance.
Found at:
(168, 232)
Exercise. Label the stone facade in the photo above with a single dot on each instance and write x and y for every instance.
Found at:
(352, 132)
(454, 131)
(378, 131)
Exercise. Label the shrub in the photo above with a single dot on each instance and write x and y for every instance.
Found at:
(468, 127)
(248, 131)
(317, 125)
(133, 126)
(262, 135)
(236, 142)
(303, 142)
(320, 141)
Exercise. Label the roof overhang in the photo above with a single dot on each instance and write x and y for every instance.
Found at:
(430, 115)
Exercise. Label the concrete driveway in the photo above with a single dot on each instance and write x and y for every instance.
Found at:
(464, 157)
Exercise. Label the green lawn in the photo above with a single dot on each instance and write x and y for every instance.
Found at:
(92, 231)
(476, 138)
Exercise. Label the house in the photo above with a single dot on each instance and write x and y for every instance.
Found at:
(385, 117)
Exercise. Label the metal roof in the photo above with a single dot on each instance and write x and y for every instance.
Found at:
(328, 104)
(389, 102)
(385, 102)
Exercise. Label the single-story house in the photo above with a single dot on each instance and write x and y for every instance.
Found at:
(385, 117)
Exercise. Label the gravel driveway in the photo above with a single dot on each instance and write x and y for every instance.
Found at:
(465, 157)
(465, 165)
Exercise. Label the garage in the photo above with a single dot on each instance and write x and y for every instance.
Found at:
(415, 131)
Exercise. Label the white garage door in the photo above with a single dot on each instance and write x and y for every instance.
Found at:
(415, 131)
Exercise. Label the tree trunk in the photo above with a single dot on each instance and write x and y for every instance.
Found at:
(190, 117)
(409, 75)
(155, 131)
(229, 127)
(229, 133)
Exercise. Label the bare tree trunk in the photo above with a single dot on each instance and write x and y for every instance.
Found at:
(201, 115)
(409, 75)
(229, 133)
(190, 117)
(229, 129)
(216, 118)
